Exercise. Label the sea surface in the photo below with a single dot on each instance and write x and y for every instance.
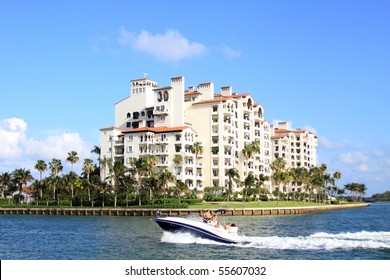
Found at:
(352, 234)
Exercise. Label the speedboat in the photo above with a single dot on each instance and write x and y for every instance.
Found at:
(200, 227)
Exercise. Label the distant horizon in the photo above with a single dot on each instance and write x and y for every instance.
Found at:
(321, 66)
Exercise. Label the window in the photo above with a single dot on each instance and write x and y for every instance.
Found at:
(159, 96)
(128, 115)
(166, 96)
(130, 149)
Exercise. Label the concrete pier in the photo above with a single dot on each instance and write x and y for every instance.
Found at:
(173, 212)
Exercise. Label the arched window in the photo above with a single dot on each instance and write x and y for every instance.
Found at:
(166, 96)
(142, 114)
(128, 115)
(159, 96)
(249, 104)
(260, 113)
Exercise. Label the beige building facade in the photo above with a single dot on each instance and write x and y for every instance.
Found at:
(297, 147)
(166, 121)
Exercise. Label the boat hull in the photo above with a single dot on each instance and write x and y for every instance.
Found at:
(198, 229)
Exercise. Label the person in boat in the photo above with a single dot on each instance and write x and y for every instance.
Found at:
(207, 215)
(219, 225)
(227, 227)
(212, 221)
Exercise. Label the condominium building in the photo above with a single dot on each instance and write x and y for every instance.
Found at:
(166, 121)
(297, 147)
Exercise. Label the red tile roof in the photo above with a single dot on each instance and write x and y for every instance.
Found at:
(220, 98)
(156, 129)
(191, 92)
(110, 128)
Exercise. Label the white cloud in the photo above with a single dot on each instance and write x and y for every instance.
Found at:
(12, 133)
(170, 46)
(230, 53)
(330, 145)
(355, 157)
(102, 43)
(19, 151)
(310, 129)
(363, 167)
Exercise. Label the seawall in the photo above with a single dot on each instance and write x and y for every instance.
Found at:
(174, 212)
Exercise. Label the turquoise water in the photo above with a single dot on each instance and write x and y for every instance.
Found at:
(361, 233)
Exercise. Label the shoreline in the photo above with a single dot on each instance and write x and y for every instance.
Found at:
(175, 212)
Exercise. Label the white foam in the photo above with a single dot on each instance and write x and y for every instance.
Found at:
(184, 238)
(323, 241)
(316, 241)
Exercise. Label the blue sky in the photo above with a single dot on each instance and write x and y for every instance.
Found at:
(321, 65)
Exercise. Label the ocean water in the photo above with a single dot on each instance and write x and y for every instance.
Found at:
(353, 234)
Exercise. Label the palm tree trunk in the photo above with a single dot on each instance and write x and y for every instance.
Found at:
(139, 190)
(127, 198)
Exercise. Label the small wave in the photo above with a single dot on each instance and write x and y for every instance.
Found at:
(323, 241)
(316, 241)
(184, 238)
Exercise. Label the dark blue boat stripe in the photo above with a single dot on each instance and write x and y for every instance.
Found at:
(196, 229)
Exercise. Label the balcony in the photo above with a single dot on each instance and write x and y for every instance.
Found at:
(160, 141)
(162, 152)
(160, 112)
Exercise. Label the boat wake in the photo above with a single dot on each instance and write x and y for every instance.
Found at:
(316, 241)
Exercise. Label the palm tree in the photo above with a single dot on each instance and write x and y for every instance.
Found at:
(180, 188)
(197, 149)
(105, 162)
(72, 158)
(55, 167)
(249, 181)
(247, 152)
(177, 159)
(5, 181)
(68, 182)
(355, 189)
(317, 179)
(150, 164)
(278, 166)
(260, 183)
(22, 176)
(41, 167)
(102, 187)
(96, 150)
(88, 168)
(118, 173)
(336, 178)
(139, 167)
(234, 176)
(165, 177)
(298, 177)
(98, 187)
(286, 178)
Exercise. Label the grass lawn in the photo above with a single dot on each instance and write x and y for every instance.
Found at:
(254, 204)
